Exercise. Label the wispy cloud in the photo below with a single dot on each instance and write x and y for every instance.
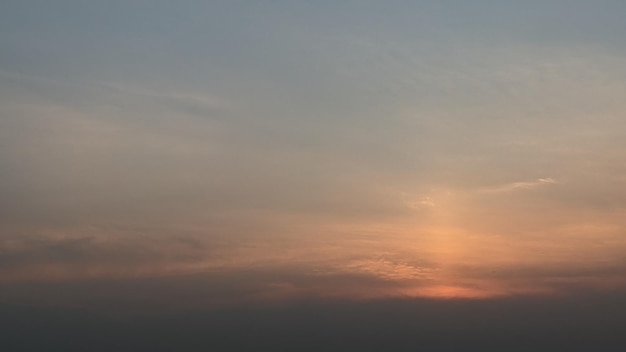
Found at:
(519, 186)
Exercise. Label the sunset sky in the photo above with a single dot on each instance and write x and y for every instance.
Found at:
(255, 152)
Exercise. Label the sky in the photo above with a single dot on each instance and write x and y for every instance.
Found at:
(160, 156)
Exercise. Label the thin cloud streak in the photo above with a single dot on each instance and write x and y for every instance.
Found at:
(515, 186)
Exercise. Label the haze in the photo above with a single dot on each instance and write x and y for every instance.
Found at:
(164, 157)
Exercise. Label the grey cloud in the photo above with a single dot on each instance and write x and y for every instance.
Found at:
(196, 291)
(97, 253)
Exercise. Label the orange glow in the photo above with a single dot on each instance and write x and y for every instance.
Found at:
(451, 292)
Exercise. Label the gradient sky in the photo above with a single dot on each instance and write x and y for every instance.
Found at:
(271, 150)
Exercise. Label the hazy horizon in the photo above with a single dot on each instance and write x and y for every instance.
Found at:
(166, 157)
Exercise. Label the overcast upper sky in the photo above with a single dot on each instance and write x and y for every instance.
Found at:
(281, 149)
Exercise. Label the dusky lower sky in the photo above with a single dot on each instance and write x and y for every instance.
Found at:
(255, 152)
